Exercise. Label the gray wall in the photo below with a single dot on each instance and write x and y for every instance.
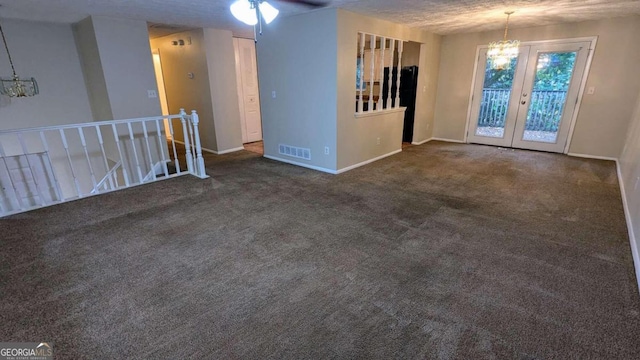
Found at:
(297, 59)
(48, 53)
(603, 119)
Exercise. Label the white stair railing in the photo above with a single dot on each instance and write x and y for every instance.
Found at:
(50, 165)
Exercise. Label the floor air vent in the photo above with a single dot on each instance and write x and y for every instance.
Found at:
(301, 153)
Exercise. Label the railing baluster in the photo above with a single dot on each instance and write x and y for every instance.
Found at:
(372, 66)
(58, 189)
(163, 158)
(360, 99)
(383, 45)
(187, 145)
(73, 172)
(400, 49)
(13, 186)
(146, 140)
(390, 80)
(104, 155)
(125, 173)
(199, 160)
(135, 152)
(31, 169)
(86, 153)
(173, 144)
(193, 143)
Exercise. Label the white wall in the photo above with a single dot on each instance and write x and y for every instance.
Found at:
(357, 137)
(221, 65)
(182, 91)
(127, 66)
(630, 182)
(46, 52)
(603, 118)
(297, 58)
(209, 56)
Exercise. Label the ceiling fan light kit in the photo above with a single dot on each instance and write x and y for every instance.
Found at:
(248, 11)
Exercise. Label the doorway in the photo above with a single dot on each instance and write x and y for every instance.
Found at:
(531, 103)
(248, 90)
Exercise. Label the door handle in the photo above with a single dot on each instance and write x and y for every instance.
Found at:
(523, 102)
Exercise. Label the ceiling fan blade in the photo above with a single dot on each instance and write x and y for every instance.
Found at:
(309, 3)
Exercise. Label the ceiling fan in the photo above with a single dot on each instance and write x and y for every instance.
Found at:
(254, 12)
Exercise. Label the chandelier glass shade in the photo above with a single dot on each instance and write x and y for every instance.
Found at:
(14, 86)
(500, 53)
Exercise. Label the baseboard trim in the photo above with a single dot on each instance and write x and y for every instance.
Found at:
(367, 161)
(308, 166)
(448, 140)
(214, 151)
(421, 142)
(587, 156)
(229, 150)
(627, 215)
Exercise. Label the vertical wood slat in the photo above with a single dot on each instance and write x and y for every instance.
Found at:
(146, 140)
(163, 158)
(392, 49)
(360, 100)
(13, 186)
(73, 171)
(31, 168)
(104, 156)
(135, 153)
(187, 145)
(125, 173)
(400, 49)
(383, 45)
(53, 172)
(199, 159)
(372, 66)
(193, 143)
(86, 153)
(173, 144)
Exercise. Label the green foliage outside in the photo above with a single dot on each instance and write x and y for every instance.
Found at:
(552, 81)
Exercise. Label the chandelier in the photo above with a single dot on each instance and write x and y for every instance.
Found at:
(500, 53)
(14, 86)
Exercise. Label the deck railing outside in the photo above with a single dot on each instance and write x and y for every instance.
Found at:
(49, 165)
(545, 110)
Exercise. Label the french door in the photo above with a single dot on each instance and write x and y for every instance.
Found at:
(530, 104)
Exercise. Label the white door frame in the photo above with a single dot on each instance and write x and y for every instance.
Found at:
(583, 82)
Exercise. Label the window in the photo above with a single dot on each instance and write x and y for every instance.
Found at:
(377, 80)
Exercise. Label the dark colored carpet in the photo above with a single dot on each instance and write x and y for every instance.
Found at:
(442, 251)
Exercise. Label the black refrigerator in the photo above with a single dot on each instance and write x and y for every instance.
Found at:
(408, 90)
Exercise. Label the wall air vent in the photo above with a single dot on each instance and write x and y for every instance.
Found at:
(293, 151)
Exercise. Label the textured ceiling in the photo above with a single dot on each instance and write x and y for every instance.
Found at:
(439, 16)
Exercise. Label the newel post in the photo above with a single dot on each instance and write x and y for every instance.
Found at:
(196, 132)
(187, 145)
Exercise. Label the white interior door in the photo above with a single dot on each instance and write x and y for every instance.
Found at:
(249, 100)
(529, 105)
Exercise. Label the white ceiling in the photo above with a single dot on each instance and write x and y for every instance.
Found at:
(439, 16)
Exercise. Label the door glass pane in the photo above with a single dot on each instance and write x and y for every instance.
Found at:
(496, 92)
(546, 104)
